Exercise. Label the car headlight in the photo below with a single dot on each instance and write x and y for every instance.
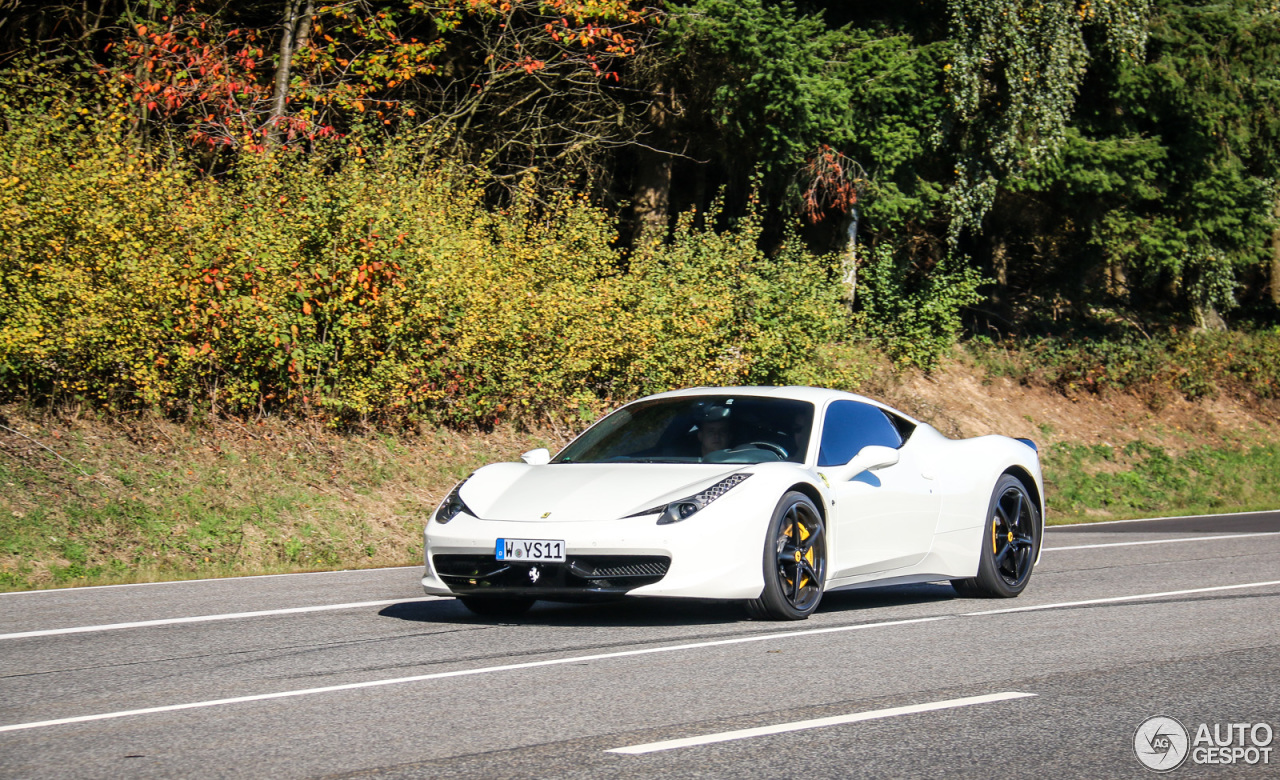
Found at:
(687, 507)
(453, 504)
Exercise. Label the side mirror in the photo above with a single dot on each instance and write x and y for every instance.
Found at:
(538, 457)
(868, 458)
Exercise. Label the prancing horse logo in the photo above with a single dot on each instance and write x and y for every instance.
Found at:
(545, 515)
(534, 574)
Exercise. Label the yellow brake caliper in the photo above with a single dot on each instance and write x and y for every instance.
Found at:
(808, 556)
(995, 522)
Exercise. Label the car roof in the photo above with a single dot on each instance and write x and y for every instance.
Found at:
(815, 395)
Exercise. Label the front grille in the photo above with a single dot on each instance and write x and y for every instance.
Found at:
(620, 566)
(578, 576)
(468, 566)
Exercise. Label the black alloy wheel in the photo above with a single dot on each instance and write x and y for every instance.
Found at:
(795, 561)
(1010, 543)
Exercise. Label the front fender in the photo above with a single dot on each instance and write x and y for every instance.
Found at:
(718, 552)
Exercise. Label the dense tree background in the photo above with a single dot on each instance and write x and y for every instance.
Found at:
(1026, 167)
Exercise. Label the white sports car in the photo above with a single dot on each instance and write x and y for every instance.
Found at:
(771, 495)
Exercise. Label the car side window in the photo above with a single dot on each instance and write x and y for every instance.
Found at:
(849, 426)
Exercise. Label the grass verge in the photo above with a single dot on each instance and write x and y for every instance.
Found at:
(85, 502)
(1100, 482)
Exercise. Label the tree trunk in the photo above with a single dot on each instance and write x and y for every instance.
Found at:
(1000, 270)
(294, 35)
(302, 33)
(1275, 262)
(1117, 280)
(143, 138)
(652, 196)
(849, 257)
(651, 200)
(1208, 318)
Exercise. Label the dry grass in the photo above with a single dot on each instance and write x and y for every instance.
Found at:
(88, 501)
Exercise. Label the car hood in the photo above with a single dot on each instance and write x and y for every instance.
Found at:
(572, 492)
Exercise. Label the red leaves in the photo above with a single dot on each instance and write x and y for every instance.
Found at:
(834, 183)
(529, 64)
(191, 72)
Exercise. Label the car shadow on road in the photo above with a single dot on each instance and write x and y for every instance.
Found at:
(619, 612)
(662, 612)
(863, 599)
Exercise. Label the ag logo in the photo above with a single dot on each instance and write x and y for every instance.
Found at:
(1160, 743)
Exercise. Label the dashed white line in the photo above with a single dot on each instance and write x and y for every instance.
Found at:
(208, 618)
(817, 723)
(1162, 541)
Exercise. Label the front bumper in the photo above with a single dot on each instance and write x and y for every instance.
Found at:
(714, 554)
(580, 577)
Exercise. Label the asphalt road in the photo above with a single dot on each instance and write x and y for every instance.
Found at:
(356, 674)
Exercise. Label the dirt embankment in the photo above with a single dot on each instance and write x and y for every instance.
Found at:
(961, 400)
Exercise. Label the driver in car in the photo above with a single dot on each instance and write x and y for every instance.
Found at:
(715, 432)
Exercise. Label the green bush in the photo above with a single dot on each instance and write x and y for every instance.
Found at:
(915, 321)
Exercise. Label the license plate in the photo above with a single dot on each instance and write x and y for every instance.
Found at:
(536, 550)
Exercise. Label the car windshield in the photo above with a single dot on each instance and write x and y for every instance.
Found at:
(698, 429)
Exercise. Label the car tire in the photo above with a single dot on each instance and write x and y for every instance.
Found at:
(497, 606)
(1010, 543)
(795, 561)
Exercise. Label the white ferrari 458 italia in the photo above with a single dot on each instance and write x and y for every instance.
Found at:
(770, 495)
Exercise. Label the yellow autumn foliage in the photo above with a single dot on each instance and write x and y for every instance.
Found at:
(378, 287)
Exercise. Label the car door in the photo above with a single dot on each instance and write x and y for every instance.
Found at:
(883, 519)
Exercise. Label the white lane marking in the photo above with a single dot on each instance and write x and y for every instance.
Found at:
(817, 723)
(207, 618)
(466, 673)
(1114, 599)
(77, 589)
(605, 656)
(1170, 517)
(1161, 541)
